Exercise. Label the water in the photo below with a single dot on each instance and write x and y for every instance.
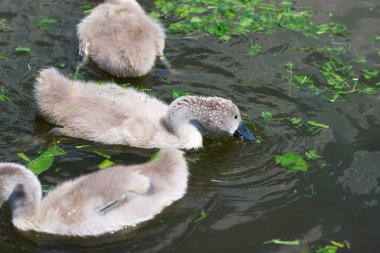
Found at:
(248, 198)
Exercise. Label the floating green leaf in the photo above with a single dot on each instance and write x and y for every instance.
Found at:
(291, 161)
(296, 121)
(102, 154)
(327, 249)
(225, 18)
(317, 124)
(86, 9)
(281, 242)
(255, 49)
(44, 161)
(44, 22)
(312, 155)
(23, 157)
(266, 115)
(154, 156)
(177, 94)
(3, 95)
(105, 164)
(368, 74)
(201, 217)
(61, 65)
(22, 49)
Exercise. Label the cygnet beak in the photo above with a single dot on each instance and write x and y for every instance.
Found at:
(244, 132)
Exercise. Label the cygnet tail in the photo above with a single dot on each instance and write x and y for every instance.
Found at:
(51, 87)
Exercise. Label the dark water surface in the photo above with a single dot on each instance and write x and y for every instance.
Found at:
(337, 199)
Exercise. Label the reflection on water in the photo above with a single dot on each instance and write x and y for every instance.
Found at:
(247, 197)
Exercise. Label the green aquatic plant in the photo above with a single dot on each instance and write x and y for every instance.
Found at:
(44, 23)
(177, 93)
(86, 8)
(312, 155)
(4, 26)
(226, 18)
(44, 161)
(316, 127)
(340, 79)
(106, 162)
(368, 74)
(281, 242)
(291, 161)
(3, 95)
(331, 248)
(255, 49)
(266, 115)
(202, 215)
(22, 49)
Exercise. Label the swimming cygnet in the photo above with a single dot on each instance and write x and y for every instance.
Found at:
(111, 114)
(121, 38)
(105, 201)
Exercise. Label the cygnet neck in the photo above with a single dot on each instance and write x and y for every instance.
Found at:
(187, 108)
(25, 193)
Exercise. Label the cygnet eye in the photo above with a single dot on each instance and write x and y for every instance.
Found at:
(235, 117)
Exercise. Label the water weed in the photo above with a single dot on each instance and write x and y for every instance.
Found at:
(3, 95)
(291, 161)
(201, 217)
(44, 161)
(106, 162)
(44, 23)
(226, 18)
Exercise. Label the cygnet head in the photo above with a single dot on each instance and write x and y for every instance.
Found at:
(217, 114)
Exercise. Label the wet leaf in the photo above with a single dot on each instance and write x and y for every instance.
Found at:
(23, 157)
(105, 164)
(291, 161)
(368, 74)
(327, 249)
(296, 121)
(44, 22)
(177, 94)
(317, 124)
(279, 241)
(22, 49)
(266, 115)
(255, 49)
(154, 156)
(44, 161)
(312, 155)
(3, 95)
(201, 217)
(102, 154)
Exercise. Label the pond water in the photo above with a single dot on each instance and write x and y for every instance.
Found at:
(248, 198)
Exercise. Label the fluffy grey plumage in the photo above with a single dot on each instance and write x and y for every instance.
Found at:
(101, 202)
(113, 115)
(121, 38)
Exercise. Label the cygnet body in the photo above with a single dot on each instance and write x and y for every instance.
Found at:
(105, 201)
(121, 38)
(111, 114)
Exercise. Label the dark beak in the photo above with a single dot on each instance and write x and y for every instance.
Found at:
(244, 132)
